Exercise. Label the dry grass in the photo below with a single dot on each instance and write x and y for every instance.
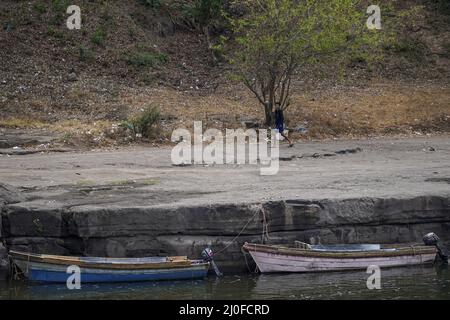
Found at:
(63, 126)
(22, 123)
(378, 109)
(347, 112)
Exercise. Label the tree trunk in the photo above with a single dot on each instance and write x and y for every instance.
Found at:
(270, 119)
(210, 44)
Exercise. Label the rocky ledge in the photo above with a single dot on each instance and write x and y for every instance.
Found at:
(138, 231)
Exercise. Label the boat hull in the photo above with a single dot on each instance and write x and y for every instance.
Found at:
(96, 270)
(270, 261)
(52, 273)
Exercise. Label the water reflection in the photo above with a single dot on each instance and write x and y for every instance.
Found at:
(401, 283)
(430, 282)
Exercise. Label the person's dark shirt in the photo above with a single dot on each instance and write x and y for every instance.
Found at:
(279, 118)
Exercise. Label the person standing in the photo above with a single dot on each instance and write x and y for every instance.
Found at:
(279, 123)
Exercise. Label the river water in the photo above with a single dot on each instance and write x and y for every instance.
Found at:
(424, 282)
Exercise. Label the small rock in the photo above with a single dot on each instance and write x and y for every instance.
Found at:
(251, 124)
(72, 77)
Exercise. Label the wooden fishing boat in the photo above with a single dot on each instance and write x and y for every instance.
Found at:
(52, 268)
(315, 258)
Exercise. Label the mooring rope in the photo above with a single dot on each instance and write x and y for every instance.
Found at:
(14, 272)
(11, 268)
(246, 262)
(28, 263)
(238, 235)
(245, 258)
(265, 231)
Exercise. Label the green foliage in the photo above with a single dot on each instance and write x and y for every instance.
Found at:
(443, 6)
(397, 26)
(107, 23)
(155, 4)
(108, 20)
(52, 32)
(410, 48)
(145, 123)
(446, 47)
(99, 36)
(146, 58)
(148, 78)
(40, 7)
(275, 38)
(59, 8)
(204, 12)
(85, 54)
(218, 48)
(190, 14)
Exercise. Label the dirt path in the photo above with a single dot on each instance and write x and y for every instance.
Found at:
(146, 177)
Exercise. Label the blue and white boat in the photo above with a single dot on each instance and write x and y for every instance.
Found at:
(52, 268)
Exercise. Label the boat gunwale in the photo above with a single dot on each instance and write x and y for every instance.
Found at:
(63, 260)
(290, 251)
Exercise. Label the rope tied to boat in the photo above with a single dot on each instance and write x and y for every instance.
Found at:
(258, 209)
(265, 232)
(246, 262)
(14, 272)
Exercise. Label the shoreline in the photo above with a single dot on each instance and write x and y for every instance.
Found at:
(135, 203)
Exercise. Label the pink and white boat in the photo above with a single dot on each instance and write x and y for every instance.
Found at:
(314, 258)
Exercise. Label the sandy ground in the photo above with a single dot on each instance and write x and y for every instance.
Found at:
(146, 177)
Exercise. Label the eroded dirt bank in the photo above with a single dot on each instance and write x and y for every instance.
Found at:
(134, 202)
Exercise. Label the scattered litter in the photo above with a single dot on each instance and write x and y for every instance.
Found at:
(301, 129)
